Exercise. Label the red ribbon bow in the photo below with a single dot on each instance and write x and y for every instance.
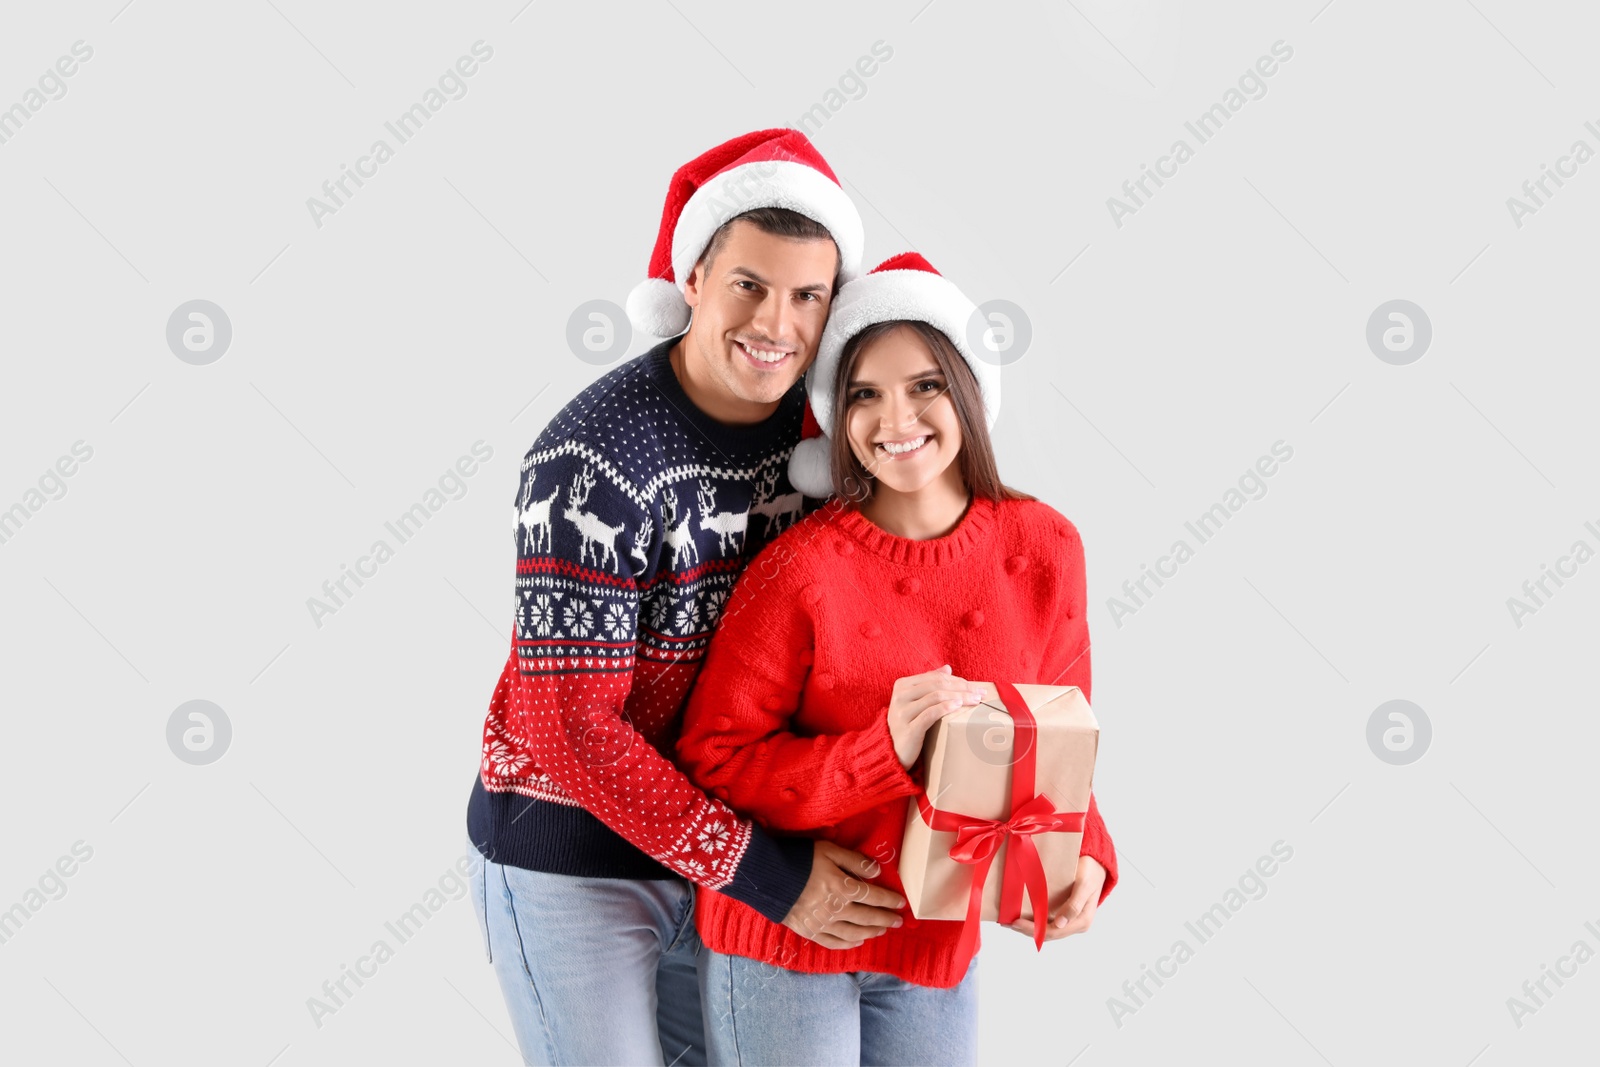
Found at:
(978, 840)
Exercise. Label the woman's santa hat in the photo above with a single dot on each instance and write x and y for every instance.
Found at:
(767, 168)
(904, 287)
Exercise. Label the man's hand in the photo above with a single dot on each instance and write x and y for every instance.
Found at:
(1078, 912)
(837, 909)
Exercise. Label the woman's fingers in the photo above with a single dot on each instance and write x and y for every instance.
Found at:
(920, 700)
(1051, 932)
(1063, 923)
(921, 687)
(903, 686)
(909, 709)
(916, 685)
(935, 706)
(957, 697)
(1078, 913)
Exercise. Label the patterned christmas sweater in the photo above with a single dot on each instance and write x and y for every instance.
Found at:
(635, 513)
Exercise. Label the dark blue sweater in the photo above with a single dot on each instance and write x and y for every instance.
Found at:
(635, 514)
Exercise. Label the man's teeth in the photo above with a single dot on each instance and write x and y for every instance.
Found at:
(761, 354)
(909, 446)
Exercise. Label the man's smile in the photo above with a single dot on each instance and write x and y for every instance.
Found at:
(763, 356)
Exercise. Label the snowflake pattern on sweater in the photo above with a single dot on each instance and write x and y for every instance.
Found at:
(634, 516)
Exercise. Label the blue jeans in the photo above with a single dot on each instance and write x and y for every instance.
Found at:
(758, 1014)
(594, 970)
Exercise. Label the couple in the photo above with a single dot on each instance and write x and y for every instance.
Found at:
(743, 599)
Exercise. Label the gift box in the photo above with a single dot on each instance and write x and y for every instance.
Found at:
(995, 833)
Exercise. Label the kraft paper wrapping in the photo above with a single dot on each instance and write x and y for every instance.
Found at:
(968, 756)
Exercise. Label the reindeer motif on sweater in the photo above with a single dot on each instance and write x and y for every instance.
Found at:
(594, 531)
(726, 523)
(779, 511)
(534, 518)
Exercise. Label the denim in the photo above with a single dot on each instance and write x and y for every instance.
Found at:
(757, 1014)
(594, 970)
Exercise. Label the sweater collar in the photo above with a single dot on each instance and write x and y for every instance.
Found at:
(780, 429)
(971, 531)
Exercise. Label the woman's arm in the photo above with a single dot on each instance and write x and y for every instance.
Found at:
(1066, 662)
(737, 740)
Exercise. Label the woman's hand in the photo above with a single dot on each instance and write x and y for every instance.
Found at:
(919, 701)
(1078, 912)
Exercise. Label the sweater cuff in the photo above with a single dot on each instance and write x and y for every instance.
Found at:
(1097, 845)
(772, 873)
(880, 773)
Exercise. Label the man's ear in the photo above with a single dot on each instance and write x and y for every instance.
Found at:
(692, 284)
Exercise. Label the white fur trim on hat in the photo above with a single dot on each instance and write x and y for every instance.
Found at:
(776, 183)
(657, 307)
(888, 296)
(810, 469)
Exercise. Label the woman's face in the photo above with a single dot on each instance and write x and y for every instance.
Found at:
(901, 419)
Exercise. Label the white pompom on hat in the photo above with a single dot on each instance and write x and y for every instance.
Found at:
(901, 288)
(767, 168)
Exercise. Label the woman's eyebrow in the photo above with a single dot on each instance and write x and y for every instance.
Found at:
(931, 372)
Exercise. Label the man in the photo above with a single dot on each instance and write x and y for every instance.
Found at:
(639, 504)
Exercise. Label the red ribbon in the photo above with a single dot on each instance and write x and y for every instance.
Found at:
(978, 840)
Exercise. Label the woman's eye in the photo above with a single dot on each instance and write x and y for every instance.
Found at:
(861, 394)
(929, 382)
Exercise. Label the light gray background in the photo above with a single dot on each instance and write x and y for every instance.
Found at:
(1167, 355)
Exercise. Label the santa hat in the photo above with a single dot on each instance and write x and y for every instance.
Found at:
(904, 287)
(767, 168)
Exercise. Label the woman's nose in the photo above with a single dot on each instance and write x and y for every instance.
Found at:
(898, 414)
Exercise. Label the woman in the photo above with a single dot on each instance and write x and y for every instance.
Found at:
(843, 643)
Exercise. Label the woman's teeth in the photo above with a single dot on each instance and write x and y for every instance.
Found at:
(760, 354)
(909, 446)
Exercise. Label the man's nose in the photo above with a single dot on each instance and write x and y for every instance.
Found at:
(774, 318)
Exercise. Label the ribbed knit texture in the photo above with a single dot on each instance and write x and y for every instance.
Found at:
(788, 719)
(635, 514)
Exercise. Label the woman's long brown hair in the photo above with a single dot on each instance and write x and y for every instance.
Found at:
(976, 458)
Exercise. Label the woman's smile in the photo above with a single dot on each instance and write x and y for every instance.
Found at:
(902, 449)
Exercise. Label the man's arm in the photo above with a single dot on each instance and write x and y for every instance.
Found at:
(578, 608)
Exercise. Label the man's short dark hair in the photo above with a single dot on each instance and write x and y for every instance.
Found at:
(778, 221)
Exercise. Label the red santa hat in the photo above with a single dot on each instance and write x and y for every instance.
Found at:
(767, 168)
(903, 287)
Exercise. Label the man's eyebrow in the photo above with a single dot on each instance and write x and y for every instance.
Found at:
(814, 287)
(748, 273)
(931, 372)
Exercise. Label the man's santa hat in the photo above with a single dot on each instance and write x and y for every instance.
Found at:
(904, 287)
(767, 168)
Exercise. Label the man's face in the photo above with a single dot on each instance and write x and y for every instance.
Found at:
(759, 308)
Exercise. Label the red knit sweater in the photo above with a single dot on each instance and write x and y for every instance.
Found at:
(788, 718)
